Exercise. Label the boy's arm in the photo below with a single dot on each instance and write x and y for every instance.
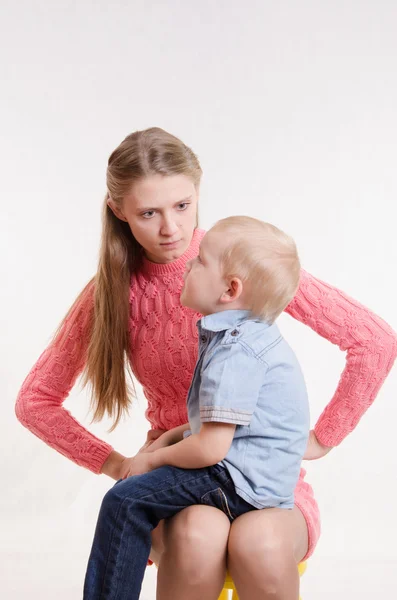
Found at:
(225, 402)
(199, 450)
(173, 436)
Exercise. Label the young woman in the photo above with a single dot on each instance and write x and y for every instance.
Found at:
(129, 314)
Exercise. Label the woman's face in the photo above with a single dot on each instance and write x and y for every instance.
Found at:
(162, 213)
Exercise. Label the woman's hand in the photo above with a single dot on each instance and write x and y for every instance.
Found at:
(315, 449)
(118, 466)
(115, 463)
(137, 465)
(161, 439)
(152, 436)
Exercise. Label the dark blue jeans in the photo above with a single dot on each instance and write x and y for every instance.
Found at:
(132, 508)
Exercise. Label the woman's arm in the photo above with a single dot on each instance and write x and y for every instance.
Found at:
(371, 347)
(39, 404)
(113, 465)
(116, 465)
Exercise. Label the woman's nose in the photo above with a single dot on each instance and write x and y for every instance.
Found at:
(168, 227)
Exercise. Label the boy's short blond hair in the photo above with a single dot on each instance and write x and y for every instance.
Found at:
(263, 257)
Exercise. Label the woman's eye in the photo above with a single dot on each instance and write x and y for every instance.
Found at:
(183, 205)
(148, 214)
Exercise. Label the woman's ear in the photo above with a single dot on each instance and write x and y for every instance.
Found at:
(233, 292)
(116, 210)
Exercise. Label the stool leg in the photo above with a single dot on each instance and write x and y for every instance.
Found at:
(235, 594)
(224, 595)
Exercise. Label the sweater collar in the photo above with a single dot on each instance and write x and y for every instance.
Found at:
(178, 265)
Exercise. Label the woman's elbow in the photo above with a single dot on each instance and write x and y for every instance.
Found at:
(393, 344)
(23, 409)
(20, 411)
(389, 346)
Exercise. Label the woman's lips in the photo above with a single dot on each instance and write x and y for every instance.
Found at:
(170, 244)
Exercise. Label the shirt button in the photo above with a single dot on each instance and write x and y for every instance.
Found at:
(234, 332)
(203, 339)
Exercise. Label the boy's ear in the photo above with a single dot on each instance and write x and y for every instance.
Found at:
(233, 292)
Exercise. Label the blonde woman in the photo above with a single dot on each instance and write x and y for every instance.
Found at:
(130, 314)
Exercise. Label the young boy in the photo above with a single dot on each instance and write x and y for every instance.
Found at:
(247, 407)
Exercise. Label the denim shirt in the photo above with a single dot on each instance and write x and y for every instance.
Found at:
(247, 374)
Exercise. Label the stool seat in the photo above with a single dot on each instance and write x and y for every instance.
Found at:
(229, 585)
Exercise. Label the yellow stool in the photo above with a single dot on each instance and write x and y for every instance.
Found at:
(229, 585)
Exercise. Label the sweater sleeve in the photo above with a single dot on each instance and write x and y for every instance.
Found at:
(39, 405)
(371, 347)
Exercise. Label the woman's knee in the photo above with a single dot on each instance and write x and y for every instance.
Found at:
(265, 546)
(260, 558)
(261, 544)
(268, 533)
(197, 536)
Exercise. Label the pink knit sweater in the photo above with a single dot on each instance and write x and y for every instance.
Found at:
(164, 349)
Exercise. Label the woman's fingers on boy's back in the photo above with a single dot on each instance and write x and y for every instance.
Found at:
(315, 449)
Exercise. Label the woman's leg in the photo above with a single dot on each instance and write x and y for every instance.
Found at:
(193, 563)
(157, 543)
(264, 549)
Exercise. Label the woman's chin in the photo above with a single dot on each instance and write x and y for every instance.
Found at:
(172, 255)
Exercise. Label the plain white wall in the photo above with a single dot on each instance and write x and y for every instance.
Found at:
(291, 109)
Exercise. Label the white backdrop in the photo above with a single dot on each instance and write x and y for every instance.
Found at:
(291, 109)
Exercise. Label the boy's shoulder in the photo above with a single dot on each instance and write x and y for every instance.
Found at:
(240, 332)
(255, 337)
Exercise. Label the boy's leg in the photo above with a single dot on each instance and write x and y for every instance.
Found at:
(129, 512)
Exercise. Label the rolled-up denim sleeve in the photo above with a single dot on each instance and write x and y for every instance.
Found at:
(230, 385)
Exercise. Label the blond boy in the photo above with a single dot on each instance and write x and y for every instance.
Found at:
(247, 404)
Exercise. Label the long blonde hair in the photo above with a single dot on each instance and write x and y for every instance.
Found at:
(140, 154)
(265, 258)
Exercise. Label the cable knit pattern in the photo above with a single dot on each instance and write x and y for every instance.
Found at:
(39, 404)
(163, 355)
(371, 347)
(163, 339)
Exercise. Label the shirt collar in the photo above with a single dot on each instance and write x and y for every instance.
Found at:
(226, 319)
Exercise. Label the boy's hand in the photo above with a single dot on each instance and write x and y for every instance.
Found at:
(314, 448)
(137, 465)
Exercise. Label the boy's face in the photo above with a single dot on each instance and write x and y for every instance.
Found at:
(204, 282)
